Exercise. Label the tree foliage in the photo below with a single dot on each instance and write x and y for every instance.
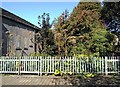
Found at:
(46, 36)
(111, 15)
(86, 33)
(81, 32)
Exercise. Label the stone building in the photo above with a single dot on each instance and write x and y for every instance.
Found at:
(0, 32)
(17, 36)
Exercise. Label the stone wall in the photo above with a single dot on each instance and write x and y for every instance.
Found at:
(17, 36)
(0, 32)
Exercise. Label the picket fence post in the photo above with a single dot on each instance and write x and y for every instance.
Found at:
(106, 70)
(40, 65)
(19, 66)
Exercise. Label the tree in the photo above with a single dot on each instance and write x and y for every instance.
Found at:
(111, 15)
(46, 36)
(60, 33)
(91, 29)
(86, 33)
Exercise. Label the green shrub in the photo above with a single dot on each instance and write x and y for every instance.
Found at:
(58, 73)
(87, 75)
(38, 54)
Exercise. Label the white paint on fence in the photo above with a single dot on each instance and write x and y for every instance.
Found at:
(40, 65)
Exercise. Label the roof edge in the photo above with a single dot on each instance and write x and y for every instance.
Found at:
(16, 18)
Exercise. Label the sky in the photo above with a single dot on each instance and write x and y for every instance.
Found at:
(31, 10)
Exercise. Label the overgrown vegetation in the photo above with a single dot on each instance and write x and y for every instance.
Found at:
(81, 32)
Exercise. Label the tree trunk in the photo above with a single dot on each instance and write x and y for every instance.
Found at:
(65, 50)
(89, 52)
(59, 51)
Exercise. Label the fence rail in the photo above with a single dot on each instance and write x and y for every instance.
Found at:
(40, 65)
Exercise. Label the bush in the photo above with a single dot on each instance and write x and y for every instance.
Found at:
(38, 54)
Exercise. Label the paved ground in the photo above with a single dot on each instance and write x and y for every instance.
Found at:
(33, 80)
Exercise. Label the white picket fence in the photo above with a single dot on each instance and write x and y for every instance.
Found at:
(41, 65)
